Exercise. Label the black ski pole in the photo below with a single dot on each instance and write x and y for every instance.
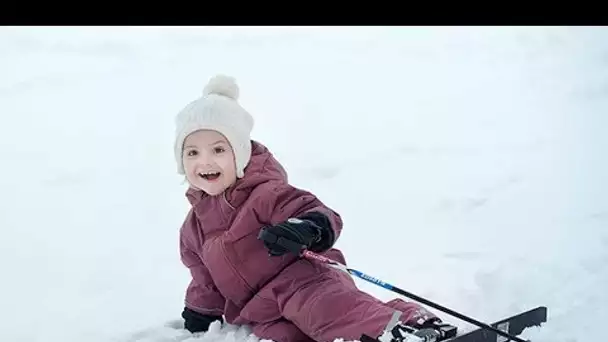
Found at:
(311, 255)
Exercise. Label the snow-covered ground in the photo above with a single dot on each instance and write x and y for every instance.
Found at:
(469, 165)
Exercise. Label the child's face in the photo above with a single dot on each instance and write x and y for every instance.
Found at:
(209, 162)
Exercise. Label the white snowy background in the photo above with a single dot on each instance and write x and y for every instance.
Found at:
(470, 166)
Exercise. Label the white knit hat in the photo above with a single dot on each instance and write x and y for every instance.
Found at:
(217, 109)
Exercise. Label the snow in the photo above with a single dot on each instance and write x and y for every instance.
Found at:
(468, 164)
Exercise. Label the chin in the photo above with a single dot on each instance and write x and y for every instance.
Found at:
(201, 188)
(213, 193)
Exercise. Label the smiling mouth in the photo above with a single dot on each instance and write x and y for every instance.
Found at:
(210, 176)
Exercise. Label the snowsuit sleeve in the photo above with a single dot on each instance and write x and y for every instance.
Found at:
(201, 295)
(285, 201)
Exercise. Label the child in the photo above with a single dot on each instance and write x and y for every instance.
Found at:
(236, 189)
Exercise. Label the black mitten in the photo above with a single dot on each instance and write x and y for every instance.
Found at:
(197, 322)
(311, 231)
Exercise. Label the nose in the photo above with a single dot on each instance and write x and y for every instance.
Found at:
(204, 159)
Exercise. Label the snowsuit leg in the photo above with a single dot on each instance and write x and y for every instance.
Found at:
(280, 331)
(325, 304)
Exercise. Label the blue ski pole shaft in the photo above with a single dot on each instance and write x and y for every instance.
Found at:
(311, 255)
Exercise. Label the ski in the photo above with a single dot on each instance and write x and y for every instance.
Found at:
(513, 325)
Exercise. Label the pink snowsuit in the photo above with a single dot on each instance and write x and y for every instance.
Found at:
(285, 299)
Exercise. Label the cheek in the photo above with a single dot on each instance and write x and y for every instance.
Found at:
(228, 163)
(187, 165)
(228, 166)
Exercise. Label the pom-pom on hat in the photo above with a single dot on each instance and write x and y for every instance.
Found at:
(217, 109)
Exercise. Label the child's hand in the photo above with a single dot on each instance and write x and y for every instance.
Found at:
(293, 235)
(197, 322)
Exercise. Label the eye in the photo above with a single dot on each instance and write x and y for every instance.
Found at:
(218, 149)
(192, 153)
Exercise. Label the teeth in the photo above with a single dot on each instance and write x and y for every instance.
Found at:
(205, 174)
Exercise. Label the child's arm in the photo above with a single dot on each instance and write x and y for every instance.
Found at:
(283, 202)
(202, 295)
